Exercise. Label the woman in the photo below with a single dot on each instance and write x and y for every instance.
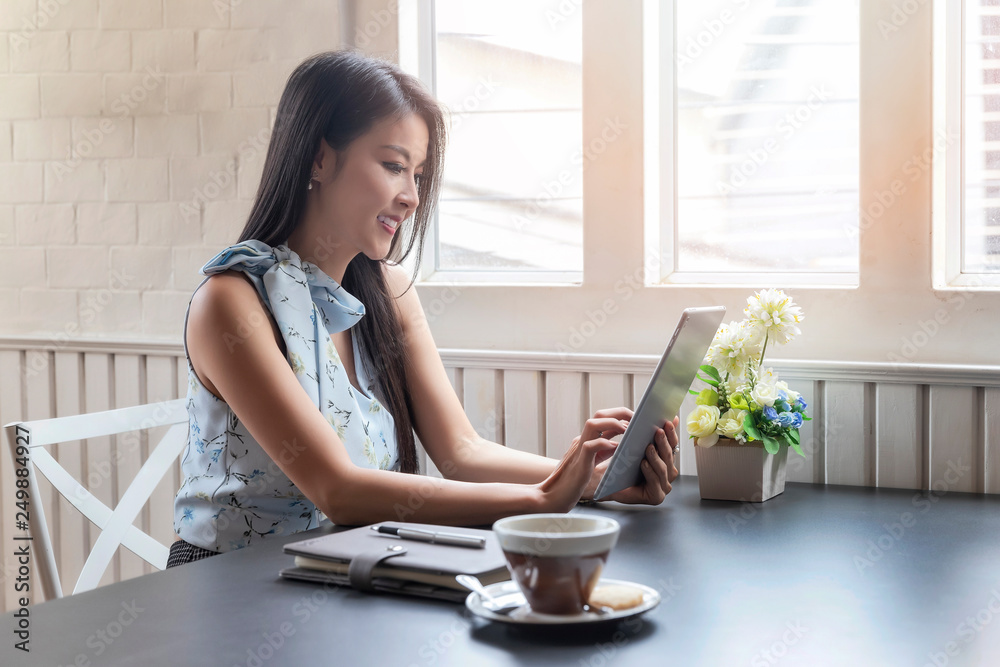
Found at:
(310, 359)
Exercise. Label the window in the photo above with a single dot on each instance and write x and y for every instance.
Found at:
(857, 245)
(509, 73)
(766, 128)
(967, 143)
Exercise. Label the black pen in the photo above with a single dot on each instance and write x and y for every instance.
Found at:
(434, 537)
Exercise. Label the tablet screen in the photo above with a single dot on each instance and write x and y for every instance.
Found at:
(674, 375)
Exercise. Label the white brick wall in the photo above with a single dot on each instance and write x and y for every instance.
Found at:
(132, 136)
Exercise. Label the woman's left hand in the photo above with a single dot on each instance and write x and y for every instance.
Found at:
(658, 470)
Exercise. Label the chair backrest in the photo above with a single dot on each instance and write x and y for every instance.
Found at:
(28, 442)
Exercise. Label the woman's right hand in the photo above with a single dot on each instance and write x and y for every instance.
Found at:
(563, 488)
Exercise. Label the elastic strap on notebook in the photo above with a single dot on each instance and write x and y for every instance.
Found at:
(359, 572)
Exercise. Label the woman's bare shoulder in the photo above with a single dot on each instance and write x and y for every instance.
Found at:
(226, 313)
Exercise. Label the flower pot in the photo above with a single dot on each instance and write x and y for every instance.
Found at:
(731, 471)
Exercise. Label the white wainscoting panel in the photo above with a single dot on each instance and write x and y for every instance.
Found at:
(524, 411)
(991, 428)
(848, 456)
(916, 426)
(955, 461)
(899, 436)
(564, 410)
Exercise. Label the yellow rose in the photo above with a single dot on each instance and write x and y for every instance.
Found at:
(731, 423)
(702, 420)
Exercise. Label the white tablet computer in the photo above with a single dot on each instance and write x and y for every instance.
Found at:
(662, 399)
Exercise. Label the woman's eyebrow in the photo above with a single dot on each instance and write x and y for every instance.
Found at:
(402, 151)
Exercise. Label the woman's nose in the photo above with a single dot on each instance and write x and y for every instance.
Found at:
(409, 196)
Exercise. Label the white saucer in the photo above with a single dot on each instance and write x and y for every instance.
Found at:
(523, 615)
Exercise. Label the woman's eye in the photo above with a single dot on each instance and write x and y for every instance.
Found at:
(394, 167)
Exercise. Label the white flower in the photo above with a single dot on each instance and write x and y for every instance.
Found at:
(701, 422)
(733, 348)
(707, 441)
(781, 385)
(767, 375)
(731, 423)
(773, 313)
(763, 394)
(734, 385)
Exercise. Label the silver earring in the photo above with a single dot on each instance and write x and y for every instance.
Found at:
(314, 176)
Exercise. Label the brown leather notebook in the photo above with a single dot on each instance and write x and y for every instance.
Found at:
(371, 561)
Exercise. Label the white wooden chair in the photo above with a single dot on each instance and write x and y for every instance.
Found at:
(28, 441)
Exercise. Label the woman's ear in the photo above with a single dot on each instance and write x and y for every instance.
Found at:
(325, 161)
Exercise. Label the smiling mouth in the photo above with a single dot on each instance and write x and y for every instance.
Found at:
(388, 222)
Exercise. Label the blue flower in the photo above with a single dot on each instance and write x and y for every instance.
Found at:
(188, 515)
(802, 404)
(792, 419)
(770, 414)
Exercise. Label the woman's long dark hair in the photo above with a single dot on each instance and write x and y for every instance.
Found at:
(338, 96)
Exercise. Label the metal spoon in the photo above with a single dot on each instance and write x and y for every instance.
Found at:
(489, 602)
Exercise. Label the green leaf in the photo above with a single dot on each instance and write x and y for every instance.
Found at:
(692, 391)
(771, 445)
(711, 371)
(798, 450)
(709, 381)
(750, 427)
(793, 435)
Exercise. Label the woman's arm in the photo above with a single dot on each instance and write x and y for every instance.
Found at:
(439, 418)
(462, 454)
(251, 374)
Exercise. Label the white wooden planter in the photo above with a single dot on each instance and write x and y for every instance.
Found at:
(731, 471)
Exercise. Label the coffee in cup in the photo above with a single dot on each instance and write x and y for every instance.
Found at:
(556, 559)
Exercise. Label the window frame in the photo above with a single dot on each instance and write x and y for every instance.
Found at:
(949, 153)
(615, 310)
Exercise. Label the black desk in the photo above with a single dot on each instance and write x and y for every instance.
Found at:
(817, 576)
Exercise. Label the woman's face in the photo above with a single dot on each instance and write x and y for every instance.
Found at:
(369, 189)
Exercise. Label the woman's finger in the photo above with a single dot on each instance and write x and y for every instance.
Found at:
(658, 464)
(614, 413)
(602, 427)
(670, 428)
(655, 491)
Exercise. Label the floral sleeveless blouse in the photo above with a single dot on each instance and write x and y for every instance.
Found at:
(233, 493)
